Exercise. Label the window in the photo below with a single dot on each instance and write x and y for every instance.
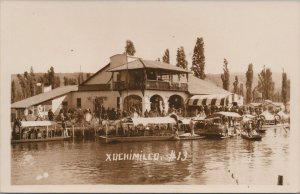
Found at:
(78, 102)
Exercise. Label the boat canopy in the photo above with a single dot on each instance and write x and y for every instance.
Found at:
(249, 116)
(198, 118)
(185, 121)
(37, 123)
(283, 115)
(153, 120)
(268, 116)
(227, 114)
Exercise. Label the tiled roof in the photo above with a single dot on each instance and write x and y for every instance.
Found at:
(141, 63)
(43, 97)
(199, 86)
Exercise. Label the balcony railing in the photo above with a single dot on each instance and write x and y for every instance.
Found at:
(95, 87)
(150, 85)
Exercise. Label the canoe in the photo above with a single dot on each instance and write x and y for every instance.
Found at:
(40, 140)
(109, 139)
(252, 137)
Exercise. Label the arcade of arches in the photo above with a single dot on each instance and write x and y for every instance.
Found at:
(156, 102)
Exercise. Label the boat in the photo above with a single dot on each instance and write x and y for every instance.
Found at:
(40, 140)
(249, 130)
(251, 137)
(41, 132)
(141, 129)
(213, 127)
(116, 139)
(189, 136)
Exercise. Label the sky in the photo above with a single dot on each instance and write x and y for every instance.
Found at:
(82, 35)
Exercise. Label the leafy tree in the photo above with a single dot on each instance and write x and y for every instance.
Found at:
(284, 88)
(225, 76)
(129, 48)
(80, 78)
(180, 58)
(198, 63)
(236, 85)
(66, 81)
(22, 83)
(166, 57)
(56, 82)
(265, 83)
(249, 77)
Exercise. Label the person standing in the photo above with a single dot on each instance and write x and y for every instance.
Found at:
(50, 115)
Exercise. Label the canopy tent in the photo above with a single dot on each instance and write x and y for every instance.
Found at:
(215, 99)
(153, 120)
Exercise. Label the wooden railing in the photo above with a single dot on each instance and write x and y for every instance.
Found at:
(150, 85)
(95, 87)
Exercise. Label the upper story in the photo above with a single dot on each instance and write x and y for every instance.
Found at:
(131, 73)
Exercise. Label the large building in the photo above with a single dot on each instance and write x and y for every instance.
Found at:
(128, 83)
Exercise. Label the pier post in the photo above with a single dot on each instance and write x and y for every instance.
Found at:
(280, 180)
(73, 132)
(83, 127)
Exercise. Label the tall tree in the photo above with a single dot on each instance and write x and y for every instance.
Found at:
(22, 83)
(51, 77)
(129, 48)
(236, 85)
(32, 82)
(166, 57)
(225, 76)
(13, 91)
(284, 88)
(198, 63)
(180, 58)
(288, 89)
(265, 84)
(241, 90)
(249, 81)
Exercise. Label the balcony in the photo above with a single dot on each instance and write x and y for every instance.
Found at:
(151, 85)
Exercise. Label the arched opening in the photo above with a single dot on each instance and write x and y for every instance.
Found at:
(132, 103)
(157, 103)
(176, 103)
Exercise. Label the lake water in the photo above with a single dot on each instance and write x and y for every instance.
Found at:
(230, 161)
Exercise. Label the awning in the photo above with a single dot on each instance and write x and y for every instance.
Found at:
(212, 99)
(215, 99)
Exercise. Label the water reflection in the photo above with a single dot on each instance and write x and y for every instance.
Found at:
(228, 161)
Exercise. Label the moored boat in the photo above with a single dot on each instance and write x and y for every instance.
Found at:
(141, 129)
(39, 131)
(251, 137)
(214, 126)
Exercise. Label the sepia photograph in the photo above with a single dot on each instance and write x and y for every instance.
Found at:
(150, 96)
